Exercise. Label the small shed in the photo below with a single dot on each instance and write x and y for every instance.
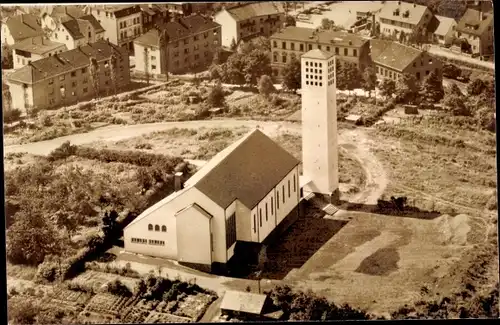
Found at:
(353, 118)
(246, 303)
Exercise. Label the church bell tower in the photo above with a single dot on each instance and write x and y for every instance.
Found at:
(319, 125)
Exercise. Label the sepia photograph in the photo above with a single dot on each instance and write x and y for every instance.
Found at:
(177, 162)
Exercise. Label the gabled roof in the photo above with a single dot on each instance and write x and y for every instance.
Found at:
(317, 54)
(257, 9)
(153, 9)
(445, 24)
(197, 208)
(247, 170)
(471, 22)
(93, 22)
(247, 302)
(73, 29)
(303, 34)
(77, 28)
(416, 12)
(394, 55)
(64, 62)
(118, 10)
(24, 26)
(62, 12)
(37, 45)
(177, 29)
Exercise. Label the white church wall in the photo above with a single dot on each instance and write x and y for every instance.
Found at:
(292, 200)
(243, 222)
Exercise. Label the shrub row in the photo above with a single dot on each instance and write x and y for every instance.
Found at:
(376, 115)
(465, 64)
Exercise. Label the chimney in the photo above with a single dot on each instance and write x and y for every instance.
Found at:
(178, 185)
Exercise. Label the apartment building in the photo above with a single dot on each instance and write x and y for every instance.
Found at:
(393, 59)
(74, 32)
(247, 21)
(192, 41)
(34, 49)
(398, 16)
(65, 78)
(292, 42)
(122, 23)
(152, 14)
(18, 28)
(445, 32)
(477, 28)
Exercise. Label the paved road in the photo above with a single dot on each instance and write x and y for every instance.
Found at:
(433, 49)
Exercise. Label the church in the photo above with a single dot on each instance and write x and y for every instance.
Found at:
(247, 191)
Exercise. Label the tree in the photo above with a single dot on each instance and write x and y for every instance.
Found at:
(340, 78)
(163, 41)
(113, 65)
(68, 221)
(453, 89)
(216, 96)
(456, 105)
(256, 64)
(369, 80)
(402, 37)
(387, 87)
(94, 76)
(146, 64)
(214, 72)
(233, 45)
(292, 75)
(217, 58)
(488, 94)
(432, 88)
(109, 223)
(31, 238)
(266, 86)
(407, 89)
(327, 24)
(352, 76)
(290, 21)
(476, 87)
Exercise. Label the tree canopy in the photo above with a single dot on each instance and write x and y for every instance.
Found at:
(387, 87)
(407, 89)
(292, 75)
(432, 88)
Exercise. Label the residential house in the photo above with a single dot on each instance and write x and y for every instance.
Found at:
(52, 16)
(65, 78)
(192, 42)
(75, 32)
(445, 32)
(403, 17)
(34, 49)
(393, 59)
(250, 20)
(292, 42)
(153, 14)
(476, 27)
(480, 5)
(242, 194)
(122, 23)
(20, 27)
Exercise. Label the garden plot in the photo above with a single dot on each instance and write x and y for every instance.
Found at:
(194, 306)
(108, 305)
(70, 298)
(97, 280)
(162, 318)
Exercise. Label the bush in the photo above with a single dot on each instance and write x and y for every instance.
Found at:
(216, 96)
(47, 271)
(116, 287)
(11, 115)
(64, 151)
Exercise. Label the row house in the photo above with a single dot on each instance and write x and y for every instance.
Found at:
(250, 20)
(74, 32)
(21, 27)
(34, 49)
(292, 42)
(152, 14)
(65, 78)
(476, 27)
(445, 32)
(398, 16)
(392, 60)
(122, 23)
(191, 44)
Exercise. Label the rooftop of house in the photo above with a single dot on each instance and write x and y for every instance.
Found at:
(37, 45)
(317, 54)
(247, 302)
(153, 9)
(119, 11)
(78, 27)
(64, 62)
(392, 54)
(302, 34)
(445, 24)
(415, 12)
(471, 22)
(257, 9)
(177, 29)
(24, 26)
(60, 12)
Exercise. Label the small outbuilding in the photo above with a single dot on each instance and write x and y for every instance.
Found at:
(248, 306)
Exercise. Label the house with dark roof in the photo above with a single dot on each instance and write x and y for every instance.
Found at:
(190, 45)
(242, 194)
(52, 16)
(476, 27)
(392, 60)
(76, 30)
(445, 32)
(249, 20)
(153, 14)
(122, 23)
(65, 78)
(398, 17)
(291, 42)
(33, 49)
(20, 27)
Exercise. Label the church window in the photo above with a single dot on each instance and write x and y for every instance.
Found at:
(277, 200)
(283, 191)
(260, 217)
(266, 212)
(230, 230)
(272, 206)
(294, 184)
(254, 223)
(150, 227)
(164, 228)
(288, 188)
(157, 228)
